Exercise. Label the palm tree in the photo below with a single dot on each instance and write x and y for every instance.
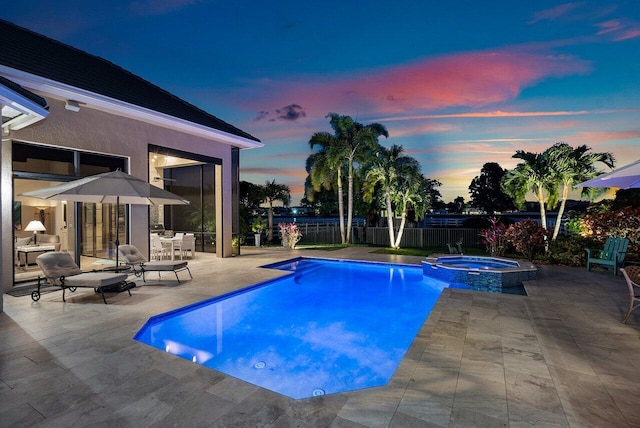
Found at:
(399, 179)
(325, 171)
(410, 191)
(349, 144)
(533, 175)
(272, 192)
(573, 166)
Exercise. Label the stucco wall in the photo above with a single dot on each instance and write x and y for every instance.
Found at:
(98, 131)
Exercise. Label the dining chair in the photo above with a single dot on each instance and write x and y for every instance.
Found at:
(158, 248)
(177, 244)
(189, 244)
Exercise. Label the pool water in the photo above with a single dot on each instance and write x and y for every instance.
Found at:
(477, 262)
(328, 327)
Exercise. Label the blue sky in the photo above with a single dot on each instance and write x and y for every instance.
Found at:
(456, 83)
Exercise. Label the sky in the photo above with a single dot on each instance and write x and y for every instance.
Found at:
(456, 83)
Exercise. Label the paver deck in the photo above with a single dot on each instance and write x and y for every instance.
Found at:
(558, 357)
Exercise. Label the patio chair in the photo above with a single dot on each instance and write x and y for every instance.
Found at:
(159, 249)
(189, 245)
(611, 256)
(457, 249)
(632, 276)
(131, 256)
(178, 242)
(60, 270)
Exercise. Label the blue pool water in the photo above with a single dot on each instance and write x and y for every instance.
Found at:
(478, 262)
(328, 327)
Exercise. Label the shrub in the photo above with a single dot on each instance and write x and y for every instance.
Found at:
(527, 237)
(569, 250)
(258, 225)
(624, 222)
(494, 237)
(290, 234)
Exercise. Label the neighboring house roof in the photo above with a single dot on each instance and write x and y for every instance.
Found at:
(33, 53)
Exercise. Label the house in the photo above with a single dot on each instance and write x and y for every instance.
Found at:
(67, 114)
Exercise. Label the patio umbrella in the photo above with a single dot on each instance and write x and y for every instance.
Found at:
(110, 187)
(626, 177)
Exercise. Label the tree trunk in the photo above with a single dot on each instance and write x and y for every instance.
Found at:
(390, 219)
(563, 202)
(349, 203)
(401, 229)
(543, 213)
(270, 217)
(543, 218)
(341, 208)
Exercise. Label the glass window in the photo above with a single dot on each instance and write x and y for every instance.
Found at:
(92, 164)
(42, 159)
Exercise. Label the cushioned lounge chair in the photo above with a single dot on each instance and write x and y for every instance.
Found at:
(130, 255)
(60, 270)
(632, 276)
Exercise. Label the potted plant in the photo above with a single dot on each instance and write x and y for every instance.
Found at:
(258, 226)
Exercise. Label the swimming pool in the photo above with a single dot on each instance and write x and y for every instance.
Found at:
(330, 326)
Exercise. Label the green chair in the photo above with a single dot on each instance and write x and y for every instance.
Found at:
(611, 256)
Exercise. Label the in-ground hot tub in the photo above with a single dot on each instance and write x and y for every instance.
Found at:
(490, 274)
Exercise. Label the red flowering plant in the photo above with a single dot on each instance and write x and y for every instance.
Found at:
(528, 237)
(290, 234)
(494, 237)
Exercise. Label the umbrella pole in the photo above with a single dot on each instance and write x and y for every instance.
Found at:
(117, 231)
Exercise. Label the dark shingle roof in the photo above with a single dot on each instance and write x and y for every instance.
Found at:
(34, 53)
(22, 91)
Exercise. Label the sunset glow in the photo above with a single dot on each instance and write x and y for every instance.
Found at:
(455, 86)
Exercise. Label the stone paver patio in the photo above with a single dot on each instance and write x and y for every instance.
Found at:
(558, 357)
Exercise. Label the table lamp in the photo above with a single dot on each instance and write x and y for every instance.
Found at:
(35, 226)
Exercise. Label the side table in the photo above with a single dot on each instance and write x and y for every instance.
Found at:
(26, 249)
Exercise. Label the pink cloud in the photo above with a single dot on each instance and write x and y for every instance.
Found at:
(298, 173)
(619, 30)
(487, 114)
(471, 79)
(402, 130)
(554, 13)
(602, 137)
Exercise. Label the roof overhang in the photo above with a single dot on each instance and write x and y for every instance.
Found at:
(114, 106)
(20, 108)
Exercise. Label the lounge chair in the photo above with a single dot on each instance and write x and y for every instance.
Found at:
(60, 270)
(611, 256)
(131, 256)
(632, 276)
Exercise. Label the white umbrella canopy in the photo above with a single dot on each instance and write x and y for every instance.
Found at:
(626, 177)
(110, 187)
